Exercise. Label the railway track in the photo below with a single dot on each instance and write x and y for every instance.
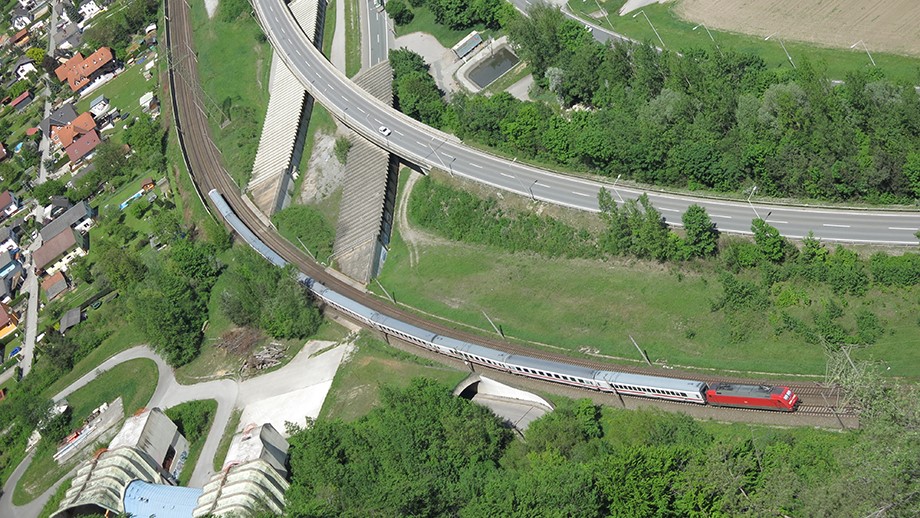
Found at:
(204, 161)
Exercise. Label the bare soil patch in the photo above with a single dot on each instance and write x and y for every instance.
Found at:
(885, 25)
(324, 172)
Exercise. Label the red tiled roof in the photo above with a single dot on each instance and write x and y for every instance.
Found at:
(83, 146)
(65, 135)
(6, 199)
(78, 71)
(53, 249)
(21, 34)
(22, 97)
(51, 281)
(70, 66)
(32, 131)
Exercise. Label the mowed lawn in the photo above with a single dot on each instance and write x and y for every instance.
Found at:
(580, 305)
(678, 34)
(125, 90)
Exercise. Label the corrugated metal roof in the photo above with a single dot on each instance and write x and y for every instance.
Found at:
(146, 499)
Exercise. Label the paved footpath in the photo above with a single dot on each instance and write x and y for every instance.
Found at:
(169, 393)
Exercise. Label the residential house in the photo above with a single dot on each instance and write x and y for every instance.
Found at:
(55, 285)
(56, 253)
(21, 38)
(24, 99)
(79, 218)
(58, 118)
(147, 184)
(99, 106)
(9, 204)
(80, 72)
(56, 206)
(78, 137)
(11, 275)
(9, 239)
(27, 4)
(70, 36)
(23, 67)
(4, 154)
(20, 18)
(88, 9)
(8, 321)
(83, 147)
(65, 135)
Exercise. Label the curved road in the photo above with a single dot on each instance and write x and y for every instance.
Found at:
(431, 148)
(168, 393)
(228, 393)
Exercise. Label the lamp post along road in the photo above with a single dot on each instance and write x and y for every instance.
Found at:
(642, 12)
(753, 190)
(853, 46)
(703, 25)
(783, 45)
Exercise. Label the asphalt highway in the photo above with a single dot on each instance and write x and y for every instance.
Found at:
(431, 148)
(377, 39)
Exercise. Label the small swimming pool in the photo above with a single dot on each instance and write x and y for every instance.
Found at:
(493, 67)
(133, 197)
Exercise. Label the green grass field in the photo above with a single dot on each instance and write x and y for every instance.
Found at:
(423, 21)
(354, 391)
(233, 67)
(124, 91)
(678, 34)
(352, 38)
(197, 409)
(134, 381)
(124, 336)
(225, 439)
(583, 305)
(328, 28)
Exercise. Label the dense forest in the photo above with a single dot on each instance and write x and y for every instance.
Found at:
(424, 452)
(702, 119)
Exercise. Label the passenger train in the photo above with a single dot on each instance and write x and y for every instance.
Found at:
(748, 396)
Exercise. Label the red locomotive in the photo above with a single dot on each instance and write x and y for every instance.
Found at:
(752, 396)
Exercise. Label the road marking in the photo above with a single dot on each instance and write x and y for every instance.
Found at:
(449, 156)
(506, 175)
(581, 194)
(903, 228)
(720, 216)
(776, 221)
(835, 225)
(667, 209)
(476, 165)
(401, 134)
(378, 38)
(360, 109)
(419, 143)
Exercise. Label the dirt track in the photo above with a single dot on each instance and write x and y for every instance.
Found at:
(885, 25)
